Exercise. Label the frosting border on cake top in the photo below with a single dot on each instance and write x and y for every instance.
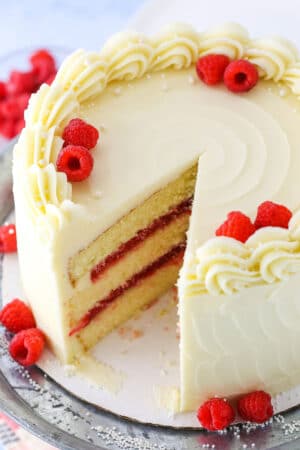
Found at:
(126, 56)
(223, 265)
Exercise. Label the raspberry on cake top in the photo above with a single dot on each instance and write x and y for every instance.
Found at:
(111, 243)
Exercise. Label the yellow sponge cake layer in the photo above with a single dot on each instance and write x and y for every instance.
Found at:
(139, 218)
(132, 301)
(132, 262)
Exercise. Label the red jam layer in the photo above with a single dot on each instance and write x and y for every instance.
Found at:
(174, 256)
(183, 208)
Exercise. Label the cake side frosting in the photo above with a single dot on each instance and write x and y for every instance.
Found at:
(234, 344)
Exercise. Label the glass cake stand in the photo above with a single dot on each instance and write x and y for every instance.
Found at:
(47, 410)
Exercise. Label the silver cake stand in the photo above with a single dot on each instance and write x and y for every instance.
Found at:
(47, 410)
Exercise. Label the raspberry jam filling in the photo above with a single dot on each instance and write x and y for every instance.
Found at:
(183, 208)
(174, 256)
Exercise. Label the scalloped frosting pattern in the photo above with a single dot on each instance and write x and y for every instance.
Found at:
(126, 56)
(225, 266)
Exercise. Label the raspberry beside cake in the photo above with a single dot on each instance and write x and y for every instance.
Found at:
(95, 252)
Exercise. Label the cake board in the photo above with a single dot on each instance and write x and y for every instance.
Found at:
(134, 371)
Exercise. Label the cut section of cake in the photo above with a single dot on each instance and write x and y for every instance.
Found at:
(95, 252)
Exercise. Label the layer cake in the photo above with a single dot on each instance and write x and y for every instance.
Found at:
(94, 253)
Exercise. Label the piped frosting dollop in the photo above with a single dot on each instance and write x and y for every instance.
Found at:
(224, 265)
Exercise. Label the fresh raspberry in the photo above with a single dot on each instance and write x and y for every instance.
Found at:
(9, 109)
(7, 130)
(19, 125)
(14, 107)
(240, 76)
(78, 132)
(51, 78)
(76, 161)
(211, 68)
(27, 346)
(20, 82)
(43, 64)
(237, 226)
(271, 214)
(23, 101)
(255, 407)
(8, 238)
(16, 316)
(215, 414)
(3, 91)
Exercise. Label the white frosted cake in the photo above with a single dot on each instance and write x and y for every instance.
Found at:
(95, 252)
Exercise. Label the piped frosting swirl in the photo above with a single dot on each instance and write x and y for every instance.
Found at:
(229, 39)
(272, 56)
(127, 56)
(224, 265)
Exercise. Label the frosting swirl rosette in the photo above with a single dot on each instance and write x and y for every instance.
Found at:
(229, 39)
(292, 77)
(272, 56)
(128, 56)
(224, 265)
(274, 254)
(175, 47)
(294, 226)
(83, 72)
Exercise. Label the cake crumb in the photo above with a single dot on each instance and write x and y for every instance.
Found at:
(137, 334)
(149, 305)
(175, 294)
(129, 333)
(162, 312)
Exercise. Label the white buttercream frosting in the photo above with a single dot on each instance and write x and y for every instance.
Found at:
(292, 77)
(176, 47)
(84, 73)
(229, 39)
(272, 56)
(224, 265)
(128, 56)
(156, 126)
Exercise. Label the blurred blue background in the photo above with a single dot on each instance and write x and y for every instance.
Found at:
(67, 23)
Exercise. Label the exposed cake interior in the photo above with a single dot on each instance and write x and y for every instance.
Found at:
(127, 256)
(107, 247)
